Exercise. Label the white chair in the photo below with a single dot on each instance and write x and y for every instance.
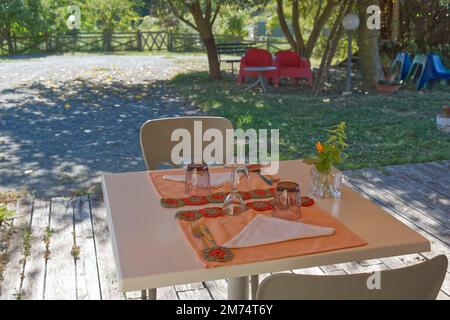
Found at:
(419, 282)
(157, 146)
(156, 134)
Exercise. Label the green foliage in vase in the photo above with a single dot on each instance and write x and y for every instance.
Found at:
(331, 152)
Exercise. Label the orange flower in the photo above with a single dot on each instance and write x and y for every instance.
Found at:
(319, 147)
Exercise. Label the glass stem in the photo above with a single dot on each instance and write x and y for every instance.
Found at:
(234, 178)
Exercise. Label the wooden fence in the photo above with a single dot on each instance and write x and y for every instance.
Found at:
(125, 41)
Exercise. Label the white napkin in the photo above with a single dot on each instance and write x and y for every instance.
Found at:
(263, 230)
(217, 178)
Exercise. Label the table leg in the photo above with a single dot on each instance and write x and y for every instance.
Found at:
(149, 294)
(254, 280)
(261, 82)
(253, 84)
(238, 288)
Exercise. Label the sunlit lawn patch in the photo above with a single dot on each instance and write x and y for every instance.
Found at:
(382, 129)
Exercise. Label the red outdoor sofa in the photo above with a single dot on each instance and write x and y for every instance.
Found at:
(289, 65)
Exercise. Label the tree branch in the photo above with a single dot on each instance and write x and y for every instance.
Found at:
(177, 14)
(319, 23)
(208, 10)
(216, 13)
(284, 26)
(296, 27)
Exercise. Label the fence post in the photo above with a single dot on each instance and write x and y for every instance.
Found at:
(107, 41)
(74, 40)
(268, 43)
(47, 42)
(139, 40)
(170, 41)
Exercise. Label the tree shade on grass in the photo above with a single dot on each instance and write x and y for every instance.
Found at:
(382, 129)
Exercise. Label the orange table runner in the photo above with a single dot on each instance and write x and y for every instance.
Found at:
(174, 189)
(173, 194)
(224, 228)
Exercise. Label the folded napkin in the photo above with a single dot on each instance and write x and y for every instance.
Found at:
(225, 228)
(217, 178)
(264, 229)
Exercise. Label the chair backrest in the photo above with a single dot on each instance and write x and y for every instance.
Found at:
(256, 57)
(417, 67)
(421, 281)
(437, 63)
(420, 59)
(404, 61)
(156, 135)
(288, 58)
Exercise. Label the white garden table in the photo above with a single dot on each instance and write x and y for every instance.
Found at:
(150, 249)
(260, 78)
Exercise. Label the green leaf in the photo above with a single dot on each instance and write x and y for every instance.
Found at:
(310, 161)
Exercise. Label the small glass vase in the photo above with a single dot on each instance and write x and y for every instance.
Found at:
(326, 185)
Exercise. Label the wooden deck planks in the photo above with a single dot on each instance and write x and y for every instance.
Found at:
(426, 174)
(6, 232)
(109, 284)
(378, 191)
(88, 286)
(198, 294)
(34, 271)
(166, 293)
(410, 216)
(60, 281)
(217, 289)
(417, 194)
(414, 194)
(12, 277)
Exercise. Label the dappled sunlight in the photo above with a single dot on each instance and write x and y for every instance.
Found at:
(382, 129)
(59, 136)
(403, 188)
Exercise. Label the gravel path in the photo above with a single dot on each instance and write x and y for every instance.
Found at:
(65, 120)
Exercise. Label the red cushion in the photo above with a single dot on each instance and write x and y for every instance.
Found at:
(258, 57)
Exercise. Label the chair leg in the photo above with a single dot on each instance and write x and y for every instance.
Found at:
(254, 285)
(238, 288)
(241, 79)
(276, 82)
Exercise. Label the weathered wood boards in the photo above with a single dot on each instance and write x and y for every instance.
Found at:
(67, 253)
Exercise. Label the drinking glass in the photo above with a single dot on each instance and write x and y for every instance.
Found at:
(234, 204)
(198, 182)
(287, 201)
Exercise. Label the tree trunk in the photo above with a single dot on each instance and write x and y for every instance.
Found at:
(284, 26)
(319, 23)
(369, 51)
(296, 27)
(213, 58)
(396, 21)
(332, 44)
(204, 26)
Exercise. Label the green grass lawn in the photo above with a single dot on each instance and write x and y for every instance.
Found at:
(382, 129)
